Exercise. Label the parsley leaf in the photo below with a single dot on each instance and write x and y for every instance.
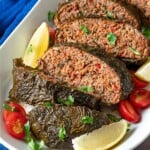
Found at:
(86, 89)
(135, 51)
(51, 15)
(48, 104)
(30, 48)
(69, 101)
(8, 107)
(27, 132)
(87, 120)
(62, 133)
(84, 29)
(110, 15)
(111, 38)
(146, 32)
(113, 118)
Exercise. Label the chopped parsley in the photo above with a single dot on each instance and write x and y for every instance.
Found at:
(86, 89)
(62, 133)
(32, 143)
(113, 118)
(87, 120)
(48, 104)
(51, 15)
(84, 29)
(135, 51)
(146, 32)
(110, 15)
(8, 107)
(111, 38)
(69, 101)
(30, 49)
(128, 129)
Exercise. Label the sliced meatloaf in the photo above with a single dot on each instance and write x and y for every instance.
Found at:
(144, 7)
(96, 8)
(105, 75)
(33, 87)
(46, 124)
(119, 39)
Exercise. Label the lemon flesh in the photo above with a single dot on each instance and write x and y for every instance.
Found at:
(38, 44)
(102, 138)
(144, 72)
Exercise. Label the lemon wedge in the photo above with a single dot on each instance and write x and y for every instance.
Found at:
(144, 72)
(102, 138)
(38, 44)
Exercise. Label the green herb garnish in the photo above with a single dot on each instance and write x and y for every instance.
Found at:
(48, 104)
(84, 29)
(135, 51)
(51, 15)
(146, 32)
(62, 133)
(30, 49)
(113, 118)
(87, 120)
(8, 107)
(86, 89)
(69, 101)
(128, 127)
(32, 143)
(111, 38)
(110, 15)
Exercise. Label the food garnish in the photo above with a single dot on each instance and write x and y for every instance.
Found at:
(69, 101)
(86, 89)
(62, 133)
(51, 15)
(102, 138)
(84, 29)
(48, 104)
(146, 32)
(110, 15)
(113, 118)
(87, 120)
(111, 37)
(135, 51)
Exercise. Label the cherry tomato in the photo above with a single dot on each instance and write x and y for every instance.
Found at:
(52, 36)
(128, 112)
(15, 125)
(140, 98)
(138, 83)
(12, 107)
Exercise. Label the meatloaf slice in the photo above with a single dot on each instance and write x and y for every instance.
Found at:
(46, 123)
(119, 39)
(33, 87)
(144, 7)
(96, 8)
(105, 75)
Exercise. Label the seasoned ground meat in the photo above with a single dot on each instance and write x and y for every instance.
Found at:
(107, 76)
(47, 123)
(144, 7)
(119, 39)
(96, 8)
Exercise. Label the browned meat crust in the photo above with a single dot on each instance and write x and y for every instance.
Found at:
(96, 8)
(78, 67)
(129, 43)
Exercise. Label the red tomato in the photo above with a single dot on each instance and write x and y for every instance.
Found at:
(128, 112)
(16, 108)
(52, 36)
(15, 125)
(140, 98)
(138, 83)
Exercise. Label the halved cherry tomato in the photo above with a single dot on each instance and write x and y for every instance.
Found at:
(52, 36)
(15, 125)
(140, 98)
(13, 107)
(138, 83)
(128, 112)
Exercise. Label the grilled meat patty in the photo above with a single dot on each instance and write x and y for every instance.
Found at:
(82, 67)
(144, 7)
(47, 123)
(96, 8)
(33, 87)
(121, 40)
